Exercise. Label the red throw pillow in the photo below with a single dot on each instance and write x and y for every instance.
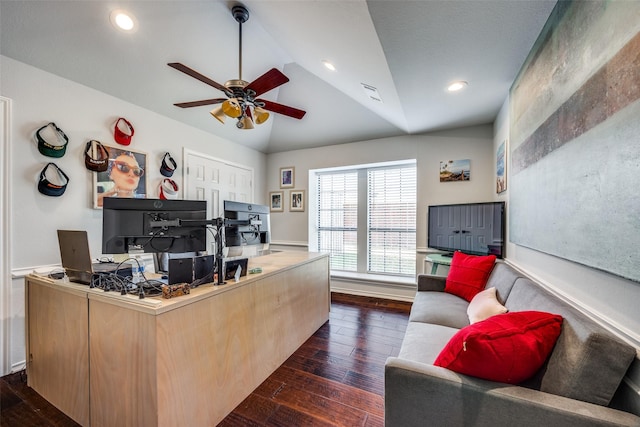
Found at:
(508, 348)
(468, 274)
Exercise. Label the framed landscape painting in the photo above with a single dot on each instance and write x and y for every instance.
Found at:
(501, 169)
(455, 170)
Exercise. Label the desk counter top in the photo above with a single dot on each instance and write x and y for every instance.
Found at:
(271, 264)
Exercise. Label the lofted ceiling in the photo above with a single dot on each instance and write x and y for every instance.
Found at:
(408, 50)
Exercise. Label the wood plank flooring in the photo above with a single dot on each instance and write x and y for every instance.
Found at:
(336, 378)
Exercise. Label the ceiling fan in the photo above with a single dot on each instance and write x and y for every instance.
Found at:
(241, 100)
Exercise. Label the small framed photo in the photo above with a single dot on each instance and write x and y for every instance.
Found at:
(276, 201)
(287, 179)
(125, 176)
(297, 201)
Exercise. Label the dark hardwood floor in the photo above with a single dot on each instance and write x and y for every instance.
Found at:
(336, 378)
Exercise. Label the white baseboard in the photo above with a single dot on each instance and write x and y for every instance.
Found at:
(289, 243)
(18, 366)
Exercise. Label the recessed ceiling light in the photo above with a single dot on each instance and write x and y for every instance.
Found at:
(123, 20)
(456, 86)
(329, 65)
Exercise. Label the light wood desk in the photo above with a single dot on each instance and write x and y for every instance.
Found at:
(111, 360)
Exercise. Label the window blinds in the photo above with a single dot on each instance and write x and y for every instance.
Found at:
(391, 217)
(338, 218)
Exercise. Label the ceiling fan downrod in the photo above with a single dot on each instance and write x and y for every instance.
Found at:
(241, 15)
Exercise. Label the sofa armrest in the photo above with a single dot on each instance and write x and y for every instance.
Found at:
(416, 392)
(428, 282)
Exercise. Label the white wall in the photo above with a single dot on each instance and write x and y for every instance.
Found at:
(607, 296)
(83, 113)
(475, 143)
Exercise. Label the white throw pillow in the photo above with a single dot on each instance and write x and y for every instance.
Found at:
(484, 305)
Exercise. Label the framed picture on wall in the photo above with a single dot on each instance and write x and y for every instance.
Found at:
(125, 176)
(276, 201)
(455, 170)
(501, 168)
(296, 201)
(287, 179)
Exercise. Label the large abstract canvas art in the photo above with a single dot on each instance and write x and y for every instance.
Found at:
(575, 138)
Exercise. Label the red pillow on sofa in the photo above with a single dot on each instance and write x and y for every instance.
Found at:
(468, 274)
(507, 348)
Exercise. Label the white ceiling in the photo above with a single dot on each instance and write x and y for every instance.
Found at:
(408, 50)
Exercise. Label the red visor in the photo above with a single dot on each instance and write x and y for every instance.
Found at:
(123, 131)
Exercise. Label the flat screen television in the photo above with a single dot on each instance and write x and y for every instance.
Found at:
(254, 233)
(153, 225)
(472, 228)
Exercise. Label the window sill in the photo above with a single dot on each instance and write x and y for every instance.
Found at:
(380, 279)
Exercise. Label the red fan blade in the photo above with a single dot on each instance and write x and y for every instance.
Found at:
(196, 75)
(200, 103)
(269, 80)
(282, 109)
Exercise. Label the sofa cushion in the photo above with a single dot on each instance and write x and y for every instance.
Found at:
(508, 348)
(484, 305)
(468, 274)
(439, 308)
(588, 362)
(502, 277)
(422, 342)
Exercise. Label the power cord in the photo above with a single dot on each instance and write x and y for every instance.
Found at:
(125, 284)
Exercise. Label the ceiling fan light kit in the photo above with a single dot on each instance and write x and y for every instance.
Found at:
(245, 122)
(242, 102)
(260, 115)
(218, 114)
(231, 107)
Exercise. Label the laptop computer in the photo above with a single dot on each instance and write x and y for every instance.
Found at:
(76, 258)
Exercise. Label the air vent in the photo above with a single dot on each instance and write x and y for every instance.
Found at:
(371, 92)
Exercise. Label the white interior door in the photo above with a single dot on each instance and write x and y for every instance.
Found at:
(215, 181)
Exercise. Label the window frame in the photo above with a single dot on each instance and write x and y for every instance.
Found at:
(362, 214)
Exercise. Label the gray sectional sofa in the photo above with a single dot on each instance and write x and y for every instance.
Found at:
(573, 388)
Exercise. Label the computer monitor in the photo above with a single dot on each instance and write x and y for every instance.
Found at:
(153, 225)
(245, 223)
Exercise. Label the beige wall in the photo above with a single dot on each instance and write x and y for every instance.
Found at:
(474, 143)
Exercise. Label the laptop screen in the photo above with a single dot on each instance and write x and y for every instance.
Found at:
(74, 250)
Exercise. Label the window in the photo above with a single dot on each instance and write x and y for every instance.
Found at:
(365, 217)
(338, 218)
